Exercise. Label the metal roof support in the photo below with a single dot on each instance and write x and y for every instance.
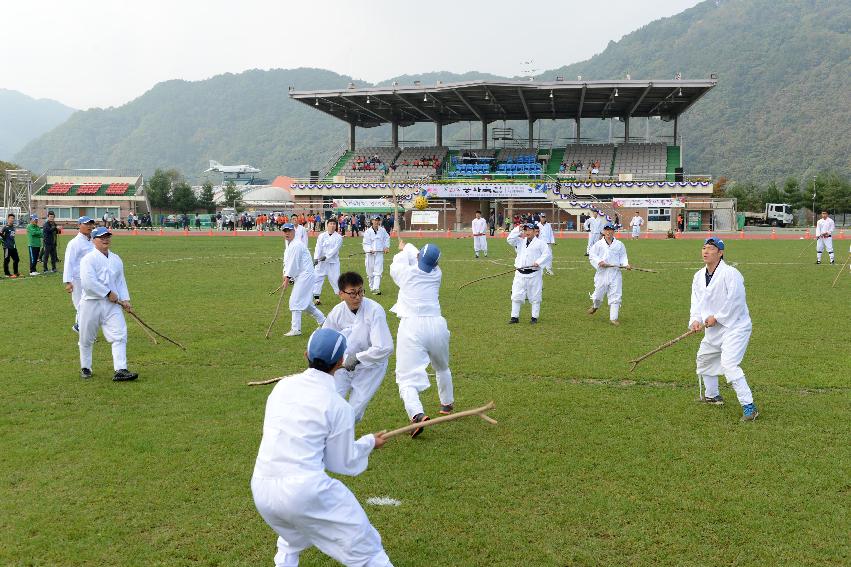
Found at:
(469, 106)
(495, 101)
(424, 112)
(531, 133)
(658, 104)
(438, 134)
(676, 128)
(608, 104)
(581, 103)
(376, 114)
(351, 136)
(643, 94)
(394, 134)
(578, 122)
(525, 106)
(484, 134)
(626, 129)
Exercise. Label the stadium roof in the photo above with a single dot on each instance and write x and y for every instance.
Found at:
(486, 101)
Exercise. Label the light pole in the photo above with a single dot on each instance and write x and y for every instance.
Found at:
(815, 216)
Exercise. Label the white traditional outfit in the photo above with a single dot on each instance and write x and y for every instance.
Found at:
(374, 243)
(308, 429)
(824, 233)
(78, 247)
(298, 265)
(327, 255)
(548, 237)
(99, 275)
(636, 223)
(528, 282)
(423, 335)
(368, 338)
(722, 295)
(594, 226)
(480, 240)
(608, 281)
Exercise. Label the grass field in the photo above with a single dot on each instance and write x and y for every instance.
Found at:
(589, 465)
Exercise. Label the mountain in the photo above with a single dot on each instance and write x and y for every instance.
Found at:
(781, 107)
(23, 118)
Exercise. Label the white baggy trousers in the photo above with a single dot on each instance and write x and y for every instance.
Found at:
(76, 295)
(362, 383)
(331, 270)
(480, 244)
(608, 282)
(420, 341)
(374, 269)
(317, 510)
(721, 352)
(527, 287)
(102, 314)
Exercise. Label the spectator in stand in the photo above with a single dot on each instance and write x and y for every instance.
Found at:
(34, 235)
(51, 232)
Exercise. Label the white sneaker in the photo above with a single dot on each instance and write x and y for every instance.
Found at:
(292, 333)
(33, 273)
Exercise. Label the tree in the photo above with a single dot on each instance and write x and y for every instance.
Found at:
(232, 197)
(158, 190)
(206, 201)
(794, 194)
(183, 200)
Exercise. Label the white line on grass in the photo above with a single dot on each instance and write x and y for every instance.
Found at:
(383, 501)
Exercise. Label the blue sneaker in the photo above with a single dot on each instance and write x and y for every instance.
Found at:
(76, 328)
(749, 412)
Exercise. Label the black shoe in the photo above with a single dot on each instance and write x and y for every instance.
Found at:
(420, 417)
(513, 320)
(124, 375)
(534, 320)
(85, 373)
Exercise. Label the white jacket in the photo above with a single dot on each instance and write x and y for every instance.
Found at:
(78, 247)
(308, 428)
(419, 292)
(375, 241)
(528, 252)
(297, 260)
(101, 274)
(328, 245)
(614, 254)
(547, 232)
(825, 226)
(723, 298)
(480, 227)
(367, 334)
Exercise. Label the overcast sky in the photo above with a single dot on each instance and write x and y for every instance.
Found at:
(108, 52)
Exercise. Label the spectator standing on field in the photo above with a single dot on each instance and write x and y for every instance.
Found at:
(10, 250)
(51, 238)
(34, 235)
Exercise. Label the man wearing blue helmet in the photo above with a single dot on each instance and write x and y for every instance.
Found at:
(531, 254)
(719, 308)
(104, 295)
(423, 335)
(309, 429)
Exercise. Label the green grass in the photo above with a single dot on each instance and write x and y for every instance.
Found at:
(589, 465)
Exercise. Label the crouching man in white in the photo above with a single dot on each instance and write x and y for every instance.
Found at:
(607, 256)
(298, 267)
(326, 259)
(376, 243)
(104, 295)
(307, 429)
(423, 336)
(718, 306)
(532, 253)
(369, 343)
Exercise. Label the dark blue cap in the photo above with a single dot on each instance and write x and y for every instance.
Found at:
(100, 231)
(428, 257)
(84, 220)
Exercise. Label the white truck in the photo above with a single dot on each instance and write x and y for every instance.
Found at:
(776, 214)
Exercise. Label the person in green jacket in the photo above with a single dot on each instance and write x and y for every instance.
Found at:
(34, 235)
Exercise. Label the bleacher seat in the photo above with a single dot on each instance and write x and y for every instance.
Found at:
(59, 188)
(88, 188)
(117, 189)
(586, 154)
(418, 162)
(359, 169)
(519, 161)
(642, 160)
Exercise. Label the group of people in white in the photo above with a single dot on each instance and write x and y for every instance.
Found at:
(310, 417)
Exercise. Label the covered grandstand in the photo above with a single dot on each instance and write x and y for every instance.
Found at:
(72, 193)
(522, 174)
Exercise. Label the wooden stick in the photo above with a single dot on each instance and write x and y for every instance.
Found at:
(661, 347)
(269, 381)
(277, 289)
(842, 271)
(479, 412)
(277, 310)
(147, 332)
(805, 248)
(636, 269)
(494, 276)
(172, 341)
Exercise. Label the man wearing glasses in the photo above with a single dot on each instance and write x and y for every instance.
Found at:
(369, 343)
